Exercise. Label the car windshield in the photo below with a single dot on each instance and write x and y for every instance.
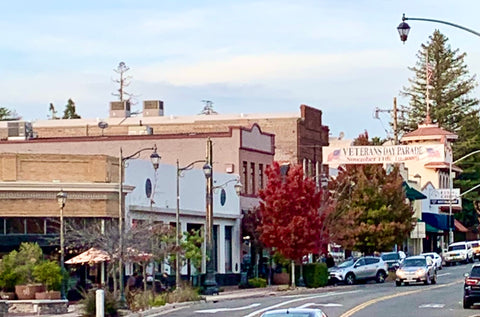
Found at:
(390, 256)
(475, 271)
(414, 262)
(474, 244)
(456, 247)
(346, 263)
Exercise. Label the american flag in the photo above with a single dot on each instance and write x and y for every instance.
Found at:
(335, 155)
(431, 152)
(429, 73)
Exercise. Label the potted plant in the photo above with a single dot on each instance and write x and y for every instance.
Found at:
(28, 256)
(48, 273)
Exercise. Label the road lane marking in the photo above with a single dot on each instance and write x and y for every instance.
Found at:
(376, 300)
(443, 274)
(257, 312)
(432, 306)
(216, 310)
(322, 305)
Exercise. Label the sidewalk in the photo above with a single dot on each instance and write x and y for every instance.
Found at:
(228, 293)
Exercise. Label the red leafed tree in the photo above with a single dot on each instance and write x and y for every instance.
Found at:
(291, 220)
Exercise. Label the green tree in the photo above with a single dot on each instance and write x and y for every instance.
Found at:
(450, 87)
(371, 213)
(453, 107)
(70, 111)
(192, 249)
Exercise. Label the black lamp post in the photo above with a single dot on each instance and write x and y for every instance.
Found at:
(62, 199)
(210, 284)
(403, 28)
(155, 159)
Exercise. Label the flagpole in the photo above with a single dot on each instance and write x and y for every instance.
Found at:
(427, 95)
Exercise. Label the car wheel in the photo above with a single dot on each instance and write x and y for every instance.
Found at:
(350, 279)
(398, 283)
(466, 303)
(427, 280)
(380, 277)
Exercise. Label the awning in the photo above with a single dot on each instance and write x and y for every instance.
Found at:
(460, 227)
(429, 228)
(412, 193)
(90, 256)
(438, 221)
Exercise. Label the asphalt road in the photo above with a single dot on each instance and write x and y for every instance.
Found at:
(370, 299)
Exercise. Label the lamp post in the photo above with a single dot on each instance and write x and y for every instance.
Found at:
(62, 199)
(450, 186)
(210, 284)
(177, 224)
(155, 159)
(403, 28)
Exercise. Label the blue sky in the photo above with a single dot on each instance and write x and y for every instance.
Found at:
(343, 57)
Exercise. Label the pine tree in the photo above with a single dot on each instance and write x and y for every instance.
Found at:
(449, 91)
(70, 111)
(452, 107)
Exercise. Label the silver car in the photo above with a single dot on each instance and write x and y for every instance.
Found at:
(416, 269)
(363, 268)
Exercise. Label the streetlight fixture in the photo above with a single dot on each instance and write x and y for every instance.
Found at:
(155, 159)
(177, 225)
(62, 199)
(403, 28)
(210, 284)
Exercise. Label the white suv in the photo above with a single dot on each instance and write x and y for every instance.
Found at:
(459, 252)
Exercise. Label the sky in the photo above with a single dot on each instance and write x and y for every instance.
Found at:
(343, 57)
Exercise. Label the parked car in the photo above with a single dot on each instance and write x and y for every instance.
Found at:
(458, 252)
(393, 259)
(437, 259)
(471, 287)
(295, 312)
(416, 269)
(362, 268)
(475, 248)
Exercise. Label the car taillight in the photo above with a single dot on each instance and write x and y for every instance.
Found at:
(472, 281)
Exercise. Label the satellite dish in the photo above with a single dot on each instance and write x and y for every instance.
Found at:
(102, 125)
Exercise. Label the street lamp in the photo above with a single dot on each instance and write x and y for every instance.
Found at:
(403, 28)
(210, 284)
(155, 159)
(62, 199)
(177, 225)
(450, 186)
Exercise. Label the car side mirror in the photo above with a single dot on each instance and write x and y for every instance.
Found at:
(466, 275)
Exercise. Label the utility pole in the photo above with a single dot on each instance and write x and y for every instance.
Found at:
(394, 112)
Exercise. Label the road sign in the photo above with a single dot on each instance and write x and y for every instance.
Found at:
(441, 197)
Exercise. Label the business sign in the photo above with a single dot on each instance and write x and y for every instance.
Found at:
(383, 154)
(442, 197)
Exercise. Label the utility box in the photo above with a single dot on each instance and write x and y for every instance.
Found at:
(152, 108)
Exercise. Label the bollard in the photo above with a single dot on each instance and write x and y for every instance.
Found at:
(99, 302)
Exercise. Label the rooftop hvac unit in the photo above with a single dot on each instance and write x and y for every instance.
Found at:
(152, 108)
(19, 130)
(120, 109)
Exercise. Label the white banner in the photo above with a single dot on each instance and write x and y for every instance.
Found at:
(383, 154)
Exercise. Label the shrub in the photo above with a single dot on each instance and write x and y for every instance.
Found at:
(88, 304)
(257, 282)
(315, 274)
(184, 294)
(50, 274)
(28, 256)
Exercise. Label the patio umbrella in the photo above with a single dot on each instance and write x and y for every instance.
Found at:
(90, 256)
